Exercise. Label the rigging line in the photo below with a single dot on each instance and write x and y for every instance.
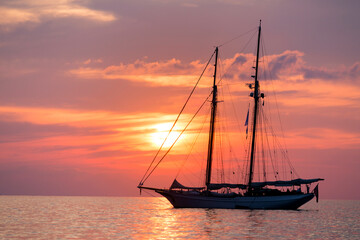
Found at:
(262, 141)
(150, 193)
(226, 126)
(177, 137)
(262, 116)
(242, 50)
(275, 96)
(225, 123)
(202, 162)
(222, 125)
(198, 133)
(233, 105)
(237, 37)
(187, 100)
(246, 163)
(227, 138)
(272, 158)
(247, 152)
(274, 137)
(220, 152)
(191, 147)
(283, 148)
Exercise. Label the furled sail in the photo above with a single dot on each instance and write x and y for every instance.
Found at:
(295, 182)
(177, 185)
(216, 186)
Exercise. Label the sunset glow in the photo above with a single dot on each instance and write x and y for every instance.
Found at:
(161, 133)
(90, 89)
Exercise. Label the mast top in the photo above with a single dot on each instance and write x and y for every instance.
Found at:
(260, 25)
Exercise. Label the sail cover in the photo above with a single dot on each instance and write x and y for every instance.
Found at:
(295, 182)
(177, 185)
(216, 186)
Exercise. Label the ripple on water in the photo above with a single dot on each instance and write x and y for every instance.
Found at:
(38, 217)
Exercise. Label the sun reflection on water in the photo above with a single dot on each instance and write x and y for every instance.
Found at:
(25, 217)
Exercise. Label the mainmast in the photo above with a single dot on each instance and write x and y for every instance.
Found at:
(212, 125)
(256, 101)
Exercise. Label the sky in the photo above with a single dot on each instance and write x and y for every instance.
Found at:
(88, 87)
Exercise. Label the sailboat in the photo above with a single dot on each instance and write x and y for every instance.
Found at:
(277, 194)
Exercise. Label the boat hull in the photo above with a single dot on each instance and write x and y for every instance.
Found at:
(185, 200)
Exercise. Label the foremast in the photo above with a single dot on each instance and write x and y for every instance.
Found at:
(212, 125)
(256, 96)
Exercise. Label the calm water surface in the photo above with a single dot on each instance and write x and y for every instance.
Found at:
(33, 217)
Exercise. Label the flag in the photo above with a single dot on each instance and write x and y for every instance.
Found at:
(247, 118)
(246, 123)
(316, 192)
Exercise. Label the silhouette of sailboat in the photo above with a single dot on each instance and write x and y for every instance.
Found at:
(277, 194)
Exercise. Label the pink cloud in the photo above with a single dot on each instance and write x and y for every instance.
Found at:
(164, 73)
(21, 12)
(287, 66)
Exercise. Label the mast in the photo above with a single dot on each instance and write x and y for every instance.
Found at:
(212, 125)
(256, 101)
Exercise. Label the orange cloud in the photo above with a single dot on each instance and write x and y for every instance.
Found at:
(13, 16)
(166, 73)
(141, 131)
(20, 12)
(288, 66)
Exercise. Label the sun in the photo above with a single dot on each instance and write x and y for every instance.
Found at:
(161, 131)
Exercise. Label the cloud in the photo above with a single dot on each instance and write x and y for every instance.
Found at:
(160, 73)
(322, 138)
(99, 140)
(13, 16)
(288, 66)
(354, 70)
(15, 13)
(172, 72)
(77, 127)
(316, 73)
(75, 118)
(240, 60)
(285, 62)
(89, 61)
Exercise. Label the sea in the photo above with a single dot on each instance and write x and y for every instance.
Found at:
(56, 217)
